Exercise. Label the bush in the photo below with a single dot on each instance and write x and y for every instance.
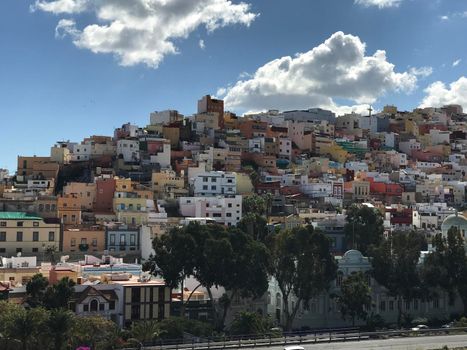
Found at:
(250, 323)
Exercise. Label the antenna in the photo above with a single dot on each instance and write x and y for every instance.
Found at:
(370, 110)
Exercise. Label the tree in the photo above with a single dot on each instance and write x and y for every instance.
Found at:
(446, 266)
(35, 290)
(59, 295)
(60, 325)
(247, 270)
(250, 323)
(94, 331)
(364, 228)
(26, 326)
(51, 253)
(255, 225)
(395, 266)
(146, 331)
(302, 265)
(355, 297)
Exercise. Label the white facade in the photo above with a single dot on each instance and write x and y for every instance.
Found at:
(285, 148)
(439, 137)
(408, 146)
(80, 152)
(357, 166)
(224, 210)
(162, 158)
(129, 150)
(214, 183)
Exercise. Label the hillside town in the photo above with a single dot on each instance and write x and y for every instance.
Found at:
(97, 212)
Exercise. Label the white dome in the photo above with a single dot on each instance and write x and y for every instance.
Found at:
(456, 220)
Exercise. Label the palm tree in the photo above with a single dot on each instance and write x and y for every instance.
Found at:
(60, 323)
(145, 331)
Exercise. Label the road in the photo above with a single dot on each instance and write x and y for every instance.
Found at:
(413, 343)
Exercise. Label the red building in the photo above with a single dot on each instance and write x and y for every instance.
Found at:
(105, 190)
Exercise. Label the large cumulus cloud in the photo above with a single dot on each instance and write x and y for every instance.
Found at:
(337, 69)
(142, 31)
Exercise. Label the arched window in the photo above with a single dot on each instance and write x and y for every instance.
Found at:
(269, 298)
(278, 300)
(94, 305)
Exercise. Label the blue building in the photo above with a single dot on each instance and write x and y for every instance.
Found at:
(123, 240)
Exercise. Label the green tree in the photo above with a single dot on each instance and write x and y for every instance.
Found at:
(354, 299)
(60, 325)
(36, 289)
(395, 266)
(247, 270)
(51, 253)
(59, 294)
(255, 225)
(27, 327)
(146, 331)
(94, 331)
(250, 323)
(446, 266)
(364, 228)
(302, 265)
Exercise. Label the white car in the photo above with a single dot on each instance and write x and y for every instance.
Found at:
(294, 347)
(419, 327)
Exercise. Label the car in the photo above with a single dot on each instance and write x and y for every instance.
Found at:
(448, 325)
(294, 347)
(419, 327)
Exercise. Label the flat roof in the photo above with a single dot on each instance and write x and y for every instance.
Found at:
(15, 215)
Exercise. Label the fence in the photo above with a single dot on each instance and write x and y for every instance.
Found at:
(276, 339)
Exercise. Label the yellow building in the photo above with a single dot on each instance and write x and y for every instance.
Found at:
(123, 185)
(69, 209)
(18, 270)
(27, 234)
(335, 152)
(84, 192)
(131, 209)
(167, 184)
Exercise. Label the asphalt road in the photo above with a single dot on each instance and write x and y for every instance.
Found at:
(412, 343)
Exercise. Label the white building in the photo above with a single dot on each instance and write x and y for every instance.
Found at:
(164, 117)
(285, 148)
(439, 137)
(214, 183)
(128, 149)
(224, 210)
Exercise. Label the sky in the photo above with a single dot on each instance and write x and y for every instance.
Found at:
(74, 68)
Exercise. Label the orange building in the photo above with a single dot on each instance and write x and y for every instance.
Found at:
(89, 239)
(69, 209)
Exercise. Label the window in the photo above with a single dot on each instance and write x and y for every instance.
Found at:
(51, 236)
(3, 224)
(2, 236)
(35, 224)
(94, 242)
(19, 223)
(435, 303)
(205, 179)
(112, 305)
(84, 241)
(73, 242)
(132, 239)
(228, 215)
(94, 304)
(339, 279)
(112, 239)
(101, 307)
(229, 205)
(2, 250)
(19, 250)
(86, 307)
(35, 236)
(35, 250)
(213, 188)
(205, 187)
(214, 179)
(19, 236)
(122, 239)
(382, 305)
(391, 305)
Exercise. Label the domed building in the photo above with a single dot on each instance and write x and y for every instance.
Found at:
(456, 220)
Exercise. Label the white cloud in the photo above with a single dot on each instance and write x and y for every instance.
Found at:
(456, 62)
(421, 71)
(336, 69)
(143, 31)
(445, 18)
(438, 94)
(60, 6)
(379, 3)
(201, 44)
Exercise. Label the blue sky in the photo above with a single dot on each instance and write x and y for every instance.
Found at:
(82, 79)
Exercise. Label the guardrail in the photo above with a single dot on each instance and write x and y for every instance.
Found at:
(268, 340)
